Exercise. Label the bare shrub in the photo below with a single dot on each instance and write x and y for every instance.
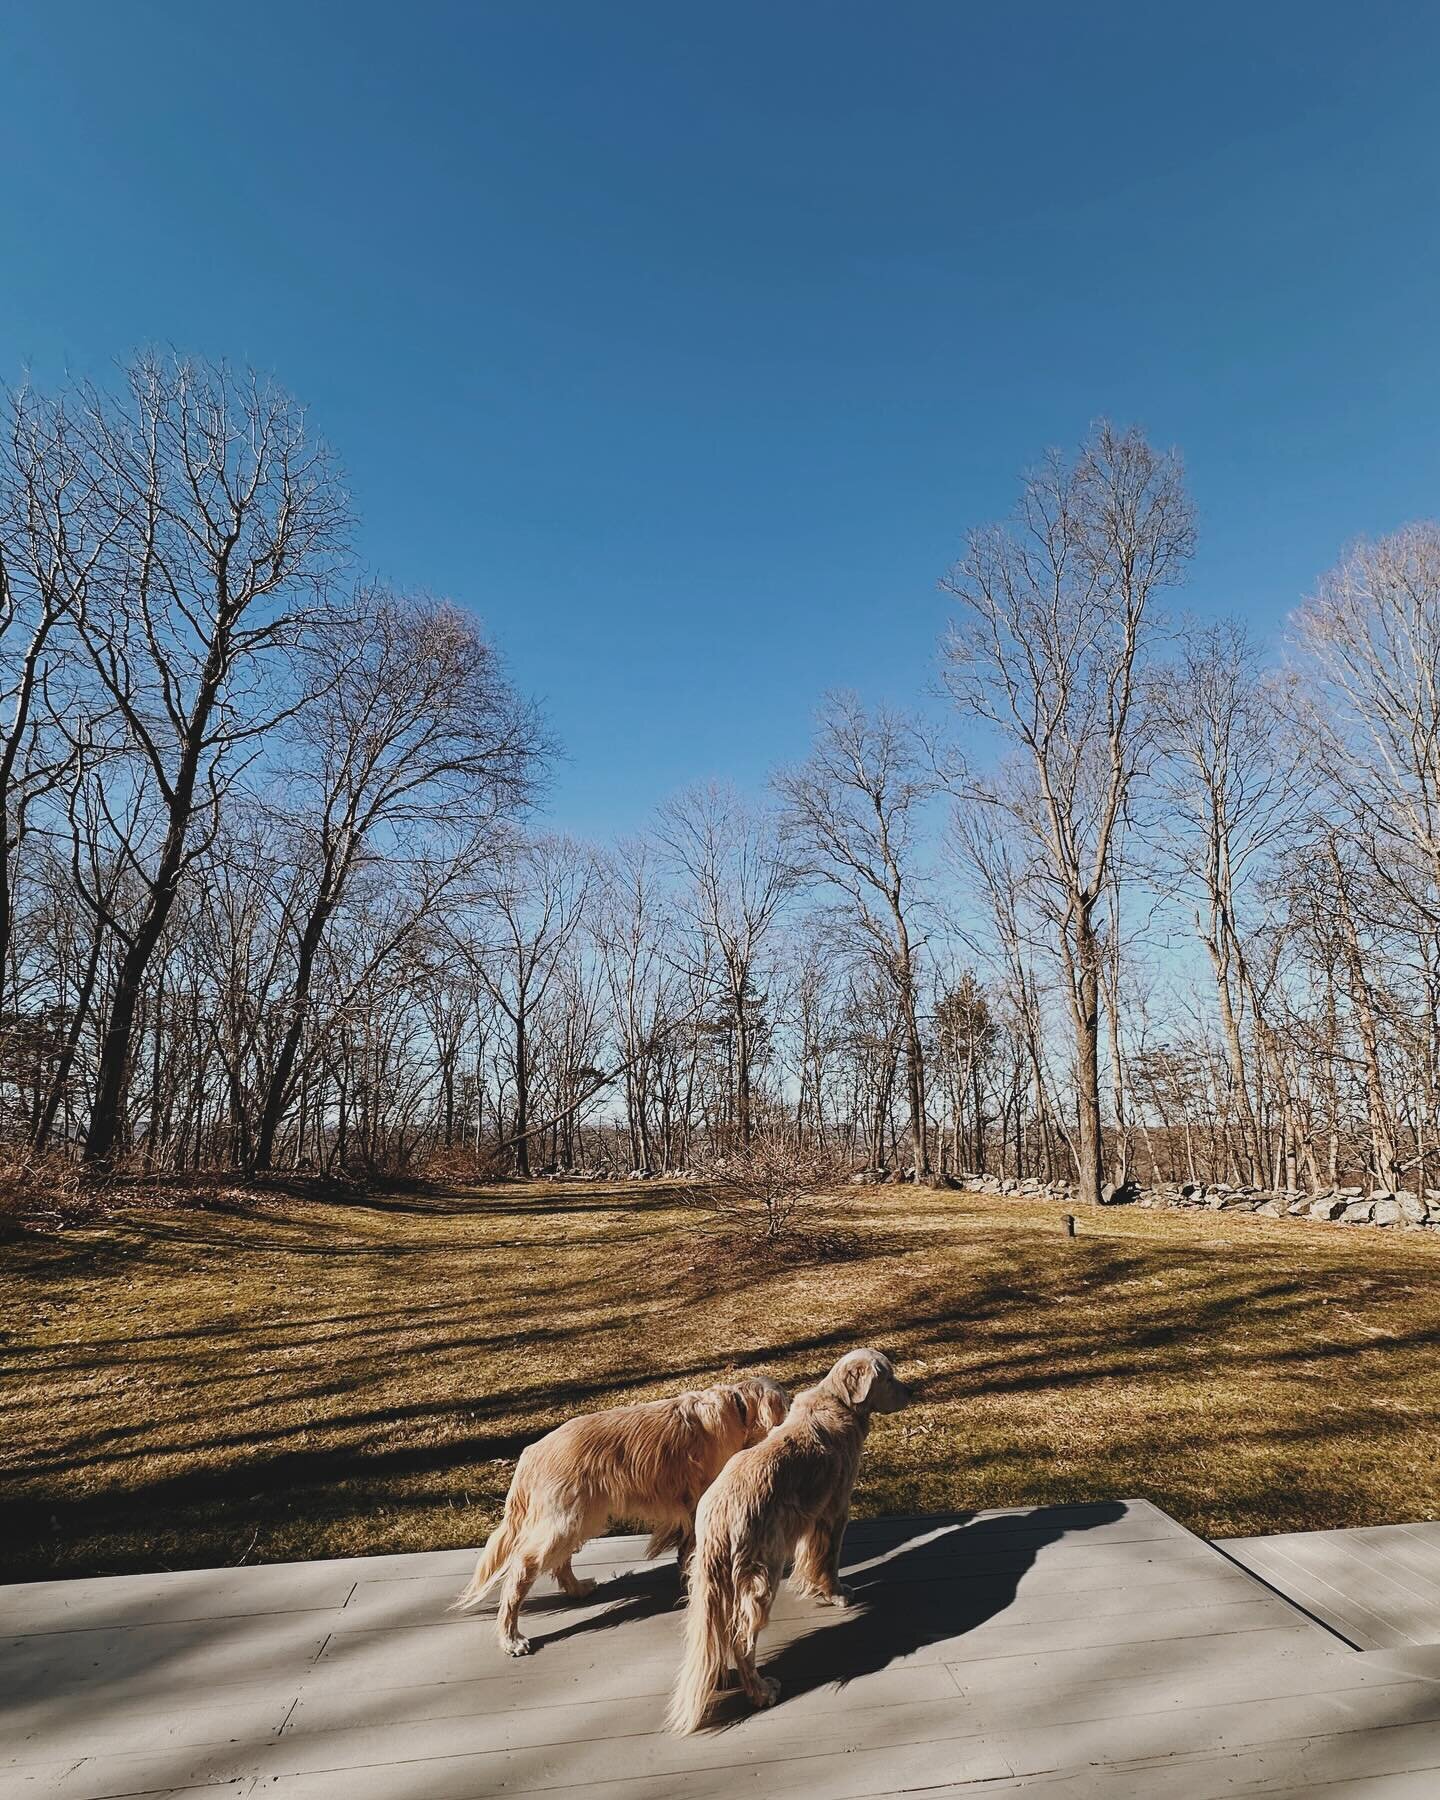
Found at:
(488, 1161)
(44, 1187)
(762, 1191)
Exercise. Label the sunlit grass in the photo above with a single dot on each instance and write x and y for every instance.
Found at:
(305, 1380)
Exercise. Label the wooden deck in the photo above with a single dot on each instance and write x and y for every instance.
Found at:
(1378, 1587)
(1100, 1651)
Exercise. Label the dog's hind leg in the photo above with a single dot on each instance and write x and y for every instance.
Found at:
(753, 1593)
(817, 1563)
(524, 1570)
(576, 1586)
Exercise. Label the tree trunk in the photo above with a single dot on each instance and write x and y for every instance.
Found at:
(1235, 1051)
(277, 1091)
(522, 1098)
(60, 1081)
(106, 1115)
(742, 1075)
(1085, 1009)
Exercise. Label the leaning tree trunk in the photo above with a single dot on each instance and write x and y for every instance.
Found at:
(278, 1089)
(60, 1079)
(112, 1079)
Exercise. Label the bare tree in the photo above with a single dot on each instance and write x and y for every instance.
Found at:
(735, 880)
(222, 521)
(1055, 616)
(763, 1189)
(1371, 635)
(850, 818)
(410, 732)
(1230, 781)
(632, 929)
(530, 904)
(52, 538)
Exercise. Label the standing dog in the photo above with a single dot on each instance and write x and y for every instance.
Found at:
(650, 1463)
(790, 1495)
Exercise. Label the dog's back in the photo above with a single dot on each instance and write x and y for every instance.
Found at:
(788, 1495)
(649, 1462)
(767, 1495)
(746, 1528)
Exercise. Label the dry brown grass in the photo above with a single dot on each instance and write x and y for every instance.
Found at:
(290, 1379)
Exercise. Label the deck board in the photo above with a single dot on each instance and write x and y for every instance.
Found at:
(1065, 1651)
(1378, 1586)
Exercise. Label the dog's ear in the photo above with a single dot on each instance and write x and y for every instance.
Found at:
(742, 1406)
(859, 1379)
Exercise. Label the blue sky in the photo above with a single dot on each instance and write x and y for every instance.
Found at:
(684, 342)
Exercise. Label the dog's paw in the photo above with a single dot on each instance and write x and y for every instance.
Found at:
(839, 1595)
(516, 1646)
(769, 1691)
(584, 1584)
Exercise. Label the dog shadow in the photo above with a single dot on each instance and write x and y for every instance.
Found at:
(638, 1594)
(913, 1583)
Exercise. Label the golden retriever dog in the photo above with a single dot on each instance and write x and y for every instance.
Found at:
(650, 1463)
(787, 1497)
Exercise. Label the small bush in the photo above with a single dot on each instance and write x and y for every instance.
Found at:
(45, 1187)
(763, 1189)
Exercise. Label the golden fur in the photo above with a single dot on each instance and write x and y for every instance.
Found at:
(650, 1463)
(788, 1496)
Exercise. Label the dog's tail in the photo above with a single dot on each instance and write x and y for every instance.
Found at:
(668, 1537)
(709, 1616)
(499, 1547)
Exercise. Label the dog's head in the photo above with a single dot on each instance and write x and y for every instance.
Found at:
(742, 1412)
(762, 1405)
(867, 1381)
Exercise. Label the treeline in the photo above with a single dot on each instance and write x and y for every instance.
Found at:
(274, 891)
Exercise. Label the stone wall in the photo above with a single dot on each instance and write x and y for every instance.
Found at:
(1340, 1206)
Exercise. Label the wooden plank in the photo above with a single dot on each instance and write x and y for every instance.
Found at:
(125, 1600)
(1057, 1592)
(795, 1729)
(1248, 1654)
(998, 1638)
(162, 1659)
(1192, 1755)
(1422, 1661)
(1071, 1567)
(88, 1729)
(1191, 1779)
(1341, 1613)
(1385, 1588)
(1377, 1585)
(560, 1747)
(518, 1695)
(1397, 1548)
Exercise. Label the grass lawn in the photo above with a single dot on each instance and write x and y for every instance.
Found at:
(293, 1379)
